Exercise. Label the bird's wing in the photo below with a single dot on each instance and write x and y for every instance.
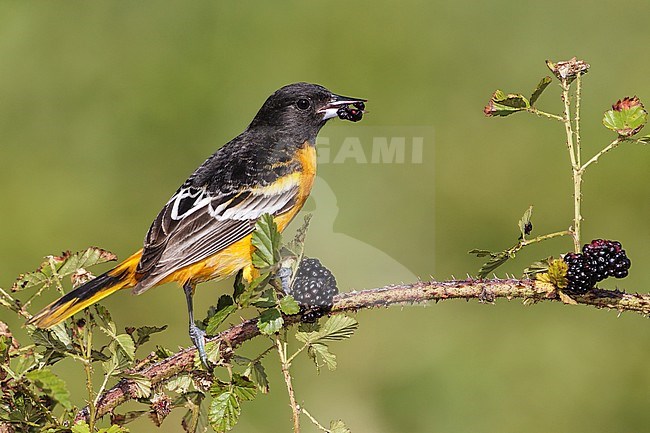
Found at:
(197, 223)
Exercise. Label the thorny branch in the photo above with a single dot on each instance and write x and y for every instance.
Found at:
(415, 293)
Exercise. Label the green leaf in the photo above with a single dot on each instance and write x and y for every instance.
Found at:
(238, 286)
(536, 268)
(63, 334)
(257, 374)
(45, 338)
(142, 385)
(225, 307)
(627, 121)
(86, 258)
(125, 342)
(288, 305)
(179, 384)
(338, 426)
(163, 352)
(243, 388)
(144, 333)
(543, 84)
(266, 240)
(320, 350)
(224, 411)
(502, 104)
(80, 427)
(266, 299)
(525, 220)
(52, 385)
(103, 315)
(337, 327)
(495, 261)
(270, 321)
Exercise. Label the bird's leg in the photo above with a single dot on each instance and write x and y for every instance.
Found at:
(284, 274)
(196, 334)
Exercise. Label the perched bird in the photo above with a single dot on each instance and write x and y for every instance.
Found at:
(204, 231)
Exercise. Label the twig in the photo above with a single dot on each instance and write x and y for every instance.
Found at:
(544, 114)
(575, 167)
(597, 156)
(295, 409)
(415, 293)
(313, 420)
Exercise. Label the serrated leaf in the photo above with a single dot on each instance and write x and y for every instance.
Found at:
(225, 307)
(626, 122)
(266, 240)
(338, 426)
(163, 352)
(142, 385)
(103, 315)
(543, 84)
(266, 299)
(525, 221)
(61, 333)
(537, 268)
(502, 104)
(83, 259)
(45, 338)
(494, 262)
(270, 321)
(243, 388)
(80, 427)
(52, 385)
(179, 384)
(321, 351)
(257, 374)
(144, 333)
(338, 327)
(224, 411)
(125, 342)
(288, 305)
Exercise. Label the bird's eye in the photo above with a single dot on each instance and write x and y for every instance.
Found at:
(303, 103)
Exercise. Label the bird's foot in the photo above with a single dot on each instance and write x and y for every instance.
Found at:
(198, 338)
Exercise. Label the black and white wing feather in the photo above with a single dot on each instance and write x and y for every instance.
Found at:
(197, 223)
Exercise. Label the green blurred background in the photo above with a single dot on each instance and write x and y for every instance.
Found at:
(106, 107)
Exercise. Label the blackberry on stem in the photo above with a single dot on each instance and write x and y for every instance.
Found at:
(314, 288)
(580, 275)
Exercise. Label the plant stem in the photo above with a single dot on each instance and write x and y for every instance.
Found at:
(597, 156)
(313, 420)
(545, 237)
(544, 114)
(577, 120)
(8, 301)
(575, 168)
(88, 368)
(295, 409)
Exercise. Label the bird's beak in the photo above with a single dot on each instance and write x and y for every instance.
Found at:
(333, 107)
